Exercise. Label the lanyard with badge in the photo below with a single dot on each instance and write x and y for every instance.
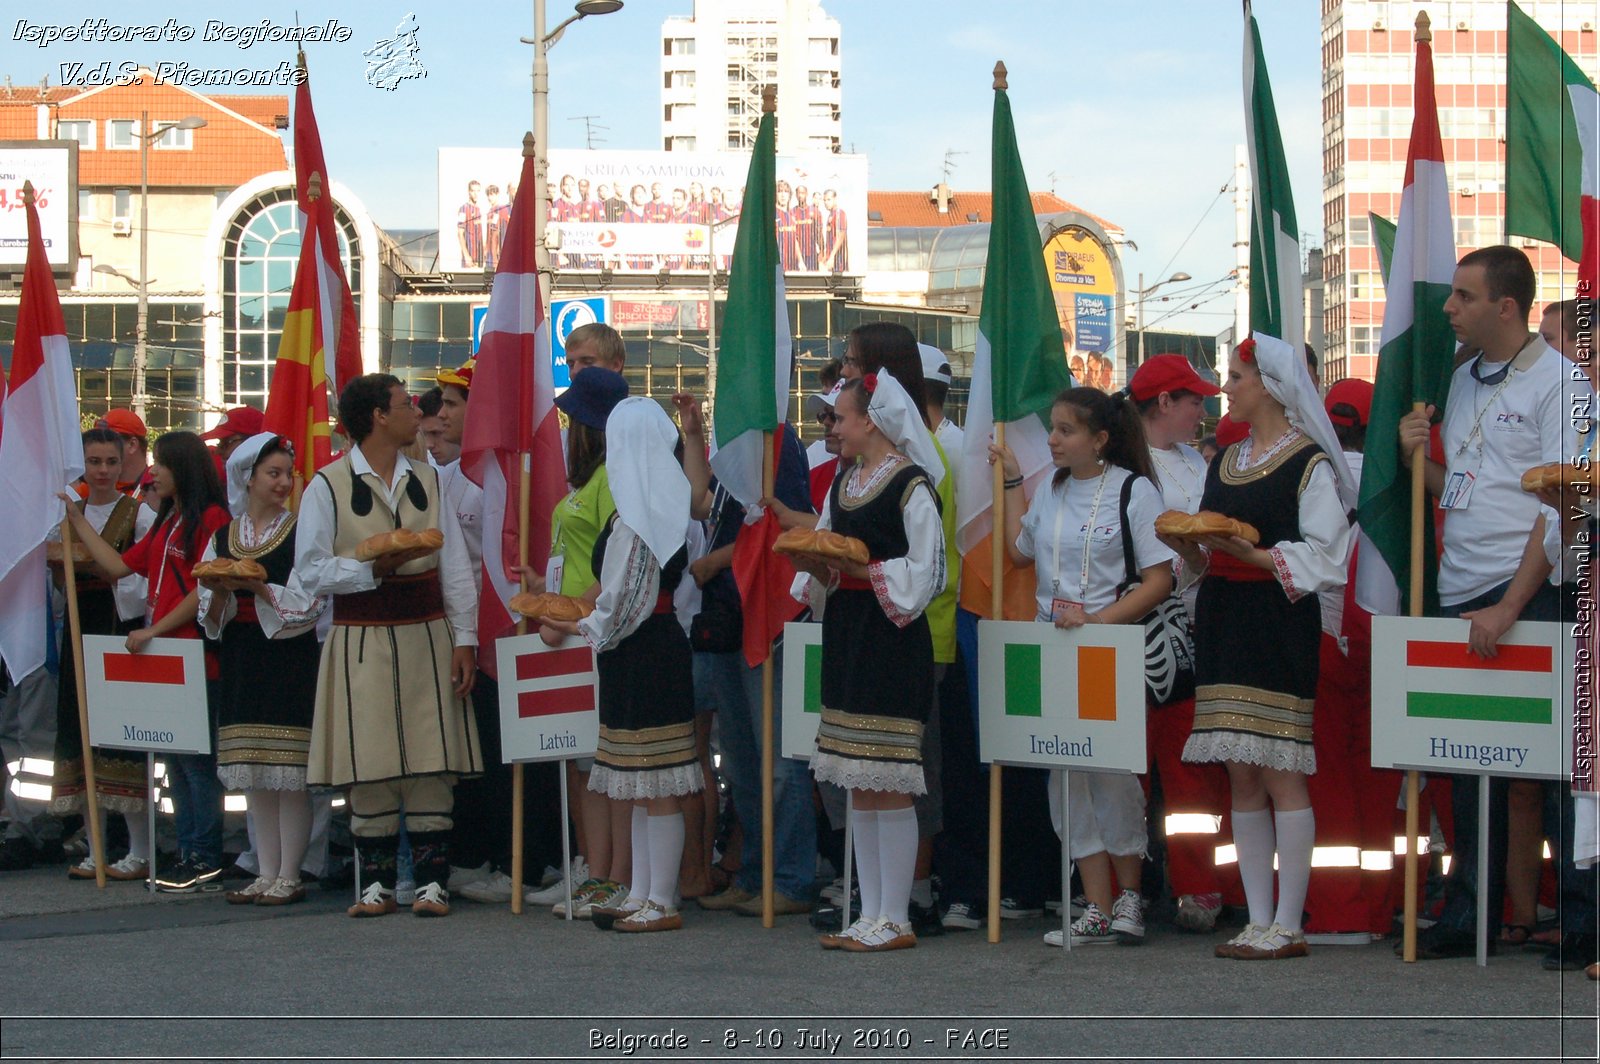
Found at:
(1058, 605)
(556, 566)
(1460, 480)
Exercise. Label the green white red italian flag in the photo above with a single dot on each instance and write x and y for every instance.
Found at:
(1414, 357)
(1552, 148)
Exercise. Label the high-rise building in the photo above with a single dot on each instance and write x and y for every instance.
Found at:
(715, 63)
(1367, 77)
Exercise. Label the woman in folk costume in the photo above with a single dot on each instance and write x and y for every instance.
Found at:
(266, 629)
(1258, 627)
(877, 648)
(104, 608)
(647, 752)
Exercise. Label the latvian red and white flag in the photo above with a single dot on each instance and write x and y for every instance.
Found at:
(511, 416)
(41, 451)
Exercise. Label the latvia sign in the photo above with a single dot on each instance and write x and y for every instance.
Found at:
(153, 700)
(802, 688)
(1050, 698)
(1438, 707)
(548, 704)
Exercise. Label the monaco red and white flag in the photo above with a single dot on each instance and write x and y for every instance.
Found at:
(512, 423)
(41, 451)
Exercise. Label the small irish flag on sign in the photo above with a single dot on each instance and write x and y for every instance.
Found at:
(1446, 681)
(1092, 677)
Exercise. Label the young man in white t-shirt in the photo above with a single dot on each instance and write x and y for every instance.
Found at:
(1508, 409)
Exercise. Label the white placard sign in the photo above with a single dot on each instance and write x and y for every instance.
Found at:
(1053, 698)
(152, 700)
(1438, 707)
(802, 688)
(549, 706)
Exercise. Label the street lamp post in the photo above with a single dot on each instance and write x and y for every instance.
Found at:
(142, 327)
(1142, 292)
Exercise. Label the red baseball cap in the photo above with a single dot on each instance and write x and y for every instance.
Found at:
(124, 423)
(1168, 373)
(1354, 393)
(240, 421)
(1230, 432)
(461, 376)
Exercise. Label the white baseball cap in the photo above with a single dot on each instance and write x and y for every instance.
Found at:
(935, 364)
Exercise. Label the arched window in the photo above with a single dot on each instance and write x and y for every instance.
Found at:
(259, 257)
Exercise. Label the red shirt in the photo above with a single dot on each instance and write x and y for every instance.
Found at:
(822, 482)
(159, 558)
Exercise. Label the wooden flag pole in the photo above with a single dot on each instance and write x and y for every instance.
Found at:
(1419, 500)
(996, 612)
(768, 916)
(91, 812)
(524, 519)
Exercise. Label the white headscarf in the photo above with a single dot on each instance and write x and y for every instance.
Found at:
(1284, 373)
(240, 465)
(648, 484)
(891, 409)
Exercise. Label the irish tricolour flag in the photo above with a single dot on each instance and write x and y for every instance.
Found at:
(1088, 693)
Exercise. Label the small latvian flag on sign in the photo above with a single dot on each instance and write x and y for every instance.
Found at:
(548, 699)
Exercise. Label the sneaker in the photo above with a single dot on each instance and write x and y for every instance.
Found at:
(1127, 918)
(431, 900)
(1012, 909)
(882, 937)
(834, 891)
(405, 892)
(247, 895)
(207, 877)
(731, 898)
(610, 893)
(925, 922)
(1275, 943)
(181, 878)
(550, 874)
(495, 888)
(130, 867)
(961, 917)
(836, 940)
(376, 900)
(555, 891)
(283, 892)
(1244, 938)
(1198, 912)
(1093, 928)
(580, 896)
(650, 917)
(461, 877)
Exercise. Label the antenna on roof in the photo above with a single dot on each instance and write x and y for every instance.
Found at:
(950, 162)
(590, 129)
(1052, 176)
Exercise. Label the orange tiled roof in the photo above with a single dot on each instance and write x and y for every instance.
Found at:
(919, 208)
(237, 143)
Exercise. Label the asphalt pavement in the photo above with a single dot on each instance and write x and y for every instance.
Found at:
(120, 974)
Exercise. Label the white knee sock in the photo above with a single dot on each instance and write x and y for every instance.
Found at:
(1253, 839)
(666, 857)
(269, 843)
(138, 835)
(897, 857)
(639, 883)
(864, 830)
(294, 831)
(1297, 833)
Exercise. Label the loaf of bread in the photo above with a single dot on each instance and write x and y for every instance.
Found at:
(1205, 523)
(53, 553)
(548, 606)
(822, 542)
(400, 541)
(229, 569)
(1560, 475)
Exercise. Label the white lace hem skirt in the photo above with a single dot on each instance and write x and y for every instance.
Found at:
(861, 775)
(1285, 755)
(247, 777)
(626, 786)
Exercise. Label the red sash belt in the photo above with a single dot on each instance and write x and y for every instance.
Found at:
(663, 603)
(1227, 567)
(850, 583)
(398, 600)
(246, 607)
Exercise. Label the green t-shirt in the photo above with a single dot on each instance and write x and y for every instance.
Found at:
(575, 527)
(942, 610)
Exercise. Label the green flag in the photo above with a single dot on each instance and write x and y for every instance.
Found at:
(1383, 231)
(753, 359)
(1276, 287)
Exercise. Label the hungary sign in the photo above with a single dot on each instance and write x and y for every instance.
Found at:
(548, 704)
(1050, 698)
(152, 700)
(1438, 707)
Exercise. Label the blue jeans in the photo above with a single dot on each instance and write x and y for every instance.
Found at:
(197, 806)
(735, 689)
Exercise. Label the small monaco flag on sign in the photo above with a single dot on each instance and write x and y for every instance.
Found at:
(144, 668)
(548, 699)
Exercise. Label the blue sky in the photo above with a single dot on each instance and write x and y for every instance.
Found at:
(1135, 106)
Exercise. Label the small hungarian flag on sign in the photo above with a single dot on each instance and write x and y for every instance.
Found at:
(1445, 680)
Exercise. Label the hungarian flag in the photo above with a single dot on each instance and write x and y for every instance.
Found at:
(41, 451)
(1276, 299)
(1019, 364)
(1415, 359)
(1383, 237)
(1552, 148)
(512, 423)
(321, 319)
(752, 397)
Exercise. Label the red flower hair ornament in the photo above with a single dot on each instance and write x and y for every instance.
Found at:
(870, 383)
(1247, 350)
